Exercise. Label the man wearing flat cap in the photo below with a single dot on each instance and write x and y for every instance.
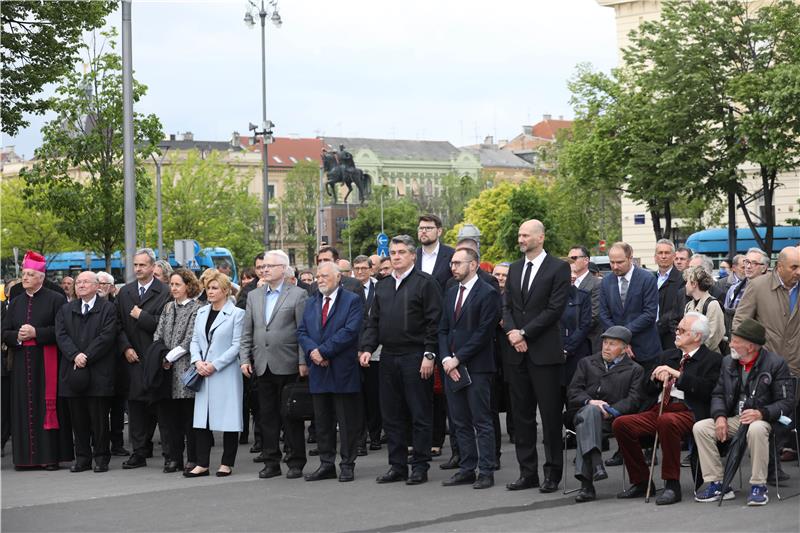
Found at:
(605, 386)
(754, 388)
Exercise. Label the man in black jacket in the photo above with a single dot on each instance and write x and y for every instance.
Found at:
(139, 306)
(754, 388)
(605, 386)
(685, 378)
(433, 256)
(405, 320)
(86, 330)
(670, 286)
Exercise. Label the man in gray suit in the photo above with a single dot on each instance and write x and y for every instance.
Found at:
(584, 280)
(269, 348)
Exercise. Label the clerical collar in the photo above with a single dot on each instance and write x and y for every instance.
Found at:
(34, 292)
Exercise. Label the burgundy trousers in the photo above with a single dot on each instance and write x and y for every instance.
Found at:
(675, 422)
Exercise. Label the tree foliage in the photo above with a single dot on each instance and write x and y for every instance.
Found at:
(485, 212)
(41, 43)
(400, 217)
(300, 206)
(78, 171)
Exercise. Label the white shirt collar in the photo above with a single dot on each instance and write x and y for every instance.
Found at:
(471, 283)
(399, 280)
(146, 287)
(580, 278)
(90, 302)
(435, 251)
(332, 297)
(628, 275)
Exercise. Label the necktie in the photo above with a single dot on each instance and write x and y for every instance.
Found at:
(85, 308)
(526, 279)
(460, 300)
(793, 298)
(623, 289)
(141, 292)
(325, 310)
(665, 399)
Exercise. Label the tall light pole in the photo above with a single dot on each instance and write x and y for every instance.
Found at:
(159, 218)
(266, 126)
(127, 142)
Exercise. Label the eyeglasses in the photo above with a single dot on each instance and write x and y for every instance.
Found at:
(459, 263)
(576, 257)
(426, 228)
(361, 269)
(748, 262)
(267, 267)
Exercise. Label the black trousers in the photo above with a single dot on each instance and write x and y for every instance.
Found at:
(270, 387)
(344, 409)
(372, 401)
(5, 406)
(250, 406)
(404, 393)
(203, 440)
(176, 416)
(117, 420)
(531, 387)
(141, 425)
(89, 416)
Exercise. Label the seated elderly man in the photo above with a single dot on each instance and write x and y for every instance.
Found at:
(605, 386)
(686, 377)
(754, 388)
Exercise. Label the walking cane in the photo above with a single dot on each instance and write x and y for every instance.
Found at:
(655, 445)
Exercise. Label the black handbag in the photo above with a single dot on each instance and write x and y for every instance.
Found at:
(296, 403)
(191, 379)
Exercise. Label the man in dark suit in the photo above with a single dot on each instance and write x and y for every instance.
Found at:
(536, 294)
(433, 256)
(629, 297)
(362, 268)
(328, 336)
(404, 319)
(585, 281)
(685, 378)
(670, 285)
(139, 306)
(329, 254)
(466, 350)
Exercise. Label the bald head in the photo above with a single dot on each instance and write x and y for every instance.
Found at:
(86, 285)
(530, 238)
(788, 266)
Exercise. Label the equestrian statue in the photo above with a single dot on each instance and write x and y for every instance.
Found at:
(340, 168)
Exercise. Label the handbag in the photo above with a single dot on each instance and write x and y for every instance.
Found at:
(191, 379)
(296, 402)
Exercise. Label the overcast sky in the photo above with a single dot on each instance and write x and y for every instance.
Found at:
(454, 70)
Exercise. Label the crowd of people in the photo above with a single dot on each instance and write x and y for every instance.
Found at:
(394, 350)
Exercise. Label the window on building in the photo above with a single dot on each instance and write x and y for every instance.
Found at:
(638, 218)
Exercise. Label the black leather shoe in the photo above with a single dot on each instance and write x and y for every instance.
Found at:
(204, 473)
(244, 438)
(373, 446)
(361, 451)
(323, 472)
(497, 464)
(294, 473)
(313, 452)
(346, 474)
(782, 476)
(599, 473)
(269, 471)
(417, 478)
(636, 491)
(451, 463)
(259, 458)
(120, 451)
(615, 459)
(523, 483)
(79, 468)
(172, 466)
(586, 494)
(548, 486)
(392, 476)
(134, 461)
(460, 478)
(101, 468)
(668, 497)
(256, 447)
(52, 467)
(484, 481)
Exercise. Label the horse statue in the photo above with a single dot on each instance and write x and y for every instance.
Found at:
(340, 168)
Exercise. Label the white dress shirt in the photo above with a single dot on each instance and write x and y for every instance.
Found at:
(399, 279)
(537, 262)
(580, 279)
(429, 259)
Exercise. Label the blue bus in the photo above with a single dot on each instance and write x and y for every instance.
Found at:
(72, 263)
(714, 242)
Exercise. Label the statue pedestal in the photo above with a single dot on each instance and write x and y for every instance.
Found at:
(334, 220)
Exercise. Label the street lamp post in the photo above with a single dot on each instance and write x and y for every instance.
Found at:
(266, 126)
(159, 218)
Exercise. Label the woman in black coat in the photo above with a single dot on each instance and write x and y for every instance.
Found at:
(86, 331)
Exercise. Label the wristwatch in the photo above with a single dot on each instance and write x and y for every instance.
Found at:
(430, 356)
(522, 332)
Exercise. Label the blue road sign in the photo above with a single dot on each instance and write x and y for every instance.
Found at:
(383, 240)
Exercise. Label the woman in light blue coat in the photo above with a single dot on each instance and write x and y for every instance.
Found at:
(215, 352)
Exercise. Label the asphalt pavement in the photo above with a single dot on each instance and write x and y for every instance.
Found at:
(146, 499)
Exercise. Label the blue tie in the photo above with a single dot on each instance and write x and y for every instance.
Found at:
(793, 298)
(141, 292)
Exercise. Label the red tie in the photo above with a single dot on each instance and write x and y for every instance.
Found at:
(665, 399)
(325, 310)
(460, 301)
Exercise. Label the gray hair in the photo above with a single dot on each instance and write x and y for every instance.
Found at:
(406, 240)
(288, 272)
(165, 267)
(331, 265)
(736, 259)
(708, 264)
(148, 252)
(700, 325)
(363, 259)
(668, 243)
(280, 254)
(105, 277)
(762, 253)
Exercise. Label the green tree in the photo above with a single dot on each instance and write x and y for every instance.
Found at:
(78, 170)
(528, 200)
(205, 199)
(26, 228)
(300, 206)
(485, 212)
(41, 42)
(400, 217)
